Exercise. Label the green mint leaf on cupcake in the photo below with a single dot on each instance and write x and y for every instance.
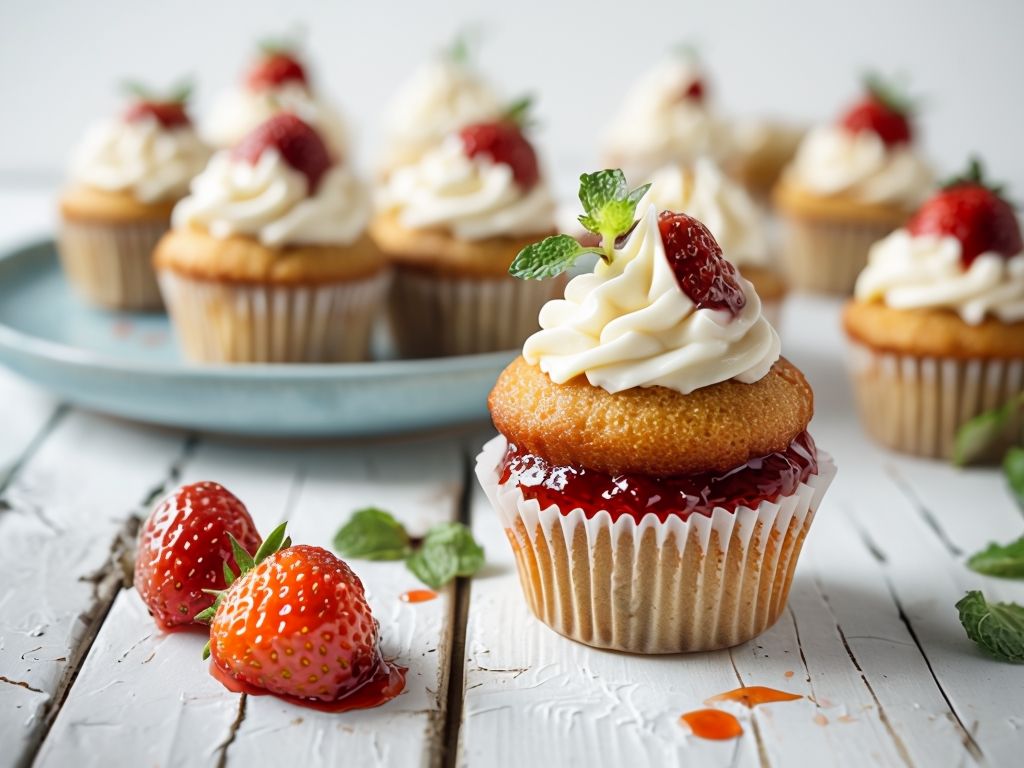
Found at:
(372, 534)
(974, 440)
(996, 627)
(1006, 560)
(551, 256)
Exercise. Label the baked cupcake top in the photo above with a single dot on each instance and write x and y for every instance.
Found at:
(277, 81)
(481, 182)
(868, 156)
(722, 205)
(961, 251)
(151, 150)
(279, 186)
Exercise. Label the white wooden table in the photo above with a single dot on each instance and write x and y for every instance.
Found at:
(871, 638)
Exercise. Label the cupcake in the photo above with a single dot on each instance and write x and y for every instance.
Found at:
(277, 81)
(126, 176)
(937, 322)
(267, 260)
(442, 96)
(725, 208)
(451, 224)
(761, 149)
(653, 470)
(849, 185)
(665, 119)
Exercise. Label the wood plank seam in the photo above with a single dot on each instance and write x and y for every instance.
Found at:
(33, 446)
(923, 511)
(222, 750)
(762, 750)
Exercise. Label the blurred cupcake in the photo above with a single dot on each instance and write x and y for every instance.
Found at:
(850, 184)
(653, 470)
(937, 322)
(666, 118)
(451, 224)
(707, 195)
(443, 95)
(268, 260)
(126, 176)
(277, 81)
(761, 149)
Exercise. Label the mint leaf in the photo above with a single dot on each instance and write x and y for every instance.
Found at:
(600, 188)
(518, 111)
(1006, 560)
(1013, 470)
(996, 627)
(976, 437)
(372, 534)
(434, 566)
(448, 550)
(550, 257)
(609, 207)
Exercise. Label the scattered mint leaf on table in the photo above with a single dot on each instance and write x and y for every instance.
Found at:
(372, 534)
(1013, 470)
(996, 627)
(1006, 560)
(976, 437)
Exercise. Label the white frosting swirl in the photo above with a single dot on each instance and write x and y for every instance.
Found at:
(916, 272)
(834, 161)
(628, 324)
(270, 200)
(442, 96)
(238, 112)
(722, 205)
(475, 198)
(141, 156)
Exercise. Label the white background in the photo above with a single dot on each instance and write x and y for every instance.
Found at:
(61, 61)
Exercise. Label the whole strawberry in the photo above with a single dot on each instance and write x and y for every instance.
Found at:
(298, 144)
(168, 109)
(883, 111)
(277, 65)
(183, 548)
(503, 141)
(296, 624)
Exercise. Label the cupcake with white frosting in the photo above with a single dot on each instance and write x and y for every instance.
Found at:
(653, 470)
(268, 259)
(850, 184)
(937, 323)
(451, 224)
(126, 176)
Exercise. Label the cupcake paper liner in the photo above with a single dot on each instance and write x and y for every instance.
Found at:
(917, 404)
(110, 264)
(436, 315)
(651, 586)
(223, 322)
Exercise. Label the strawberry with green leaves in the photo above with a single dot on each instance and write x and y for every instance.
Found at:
(503, 141)
(884, 111)
(168, 109)
(277, 65)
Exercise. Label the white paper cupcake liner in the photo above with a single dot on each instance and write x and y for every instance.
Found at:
(655, 587)
(825, 256)
(438, 315)
(917, 404)
(110, 264)
(224, 322)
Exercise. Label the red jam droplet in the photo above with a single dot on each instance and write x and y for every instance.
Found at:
(636, 495)
(386, 684)
(696, 258)
(751, 696)
(418, 595)
(712, 724)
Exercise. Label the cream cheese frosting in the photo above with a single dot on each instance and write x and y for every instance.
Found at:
(628, 324)
(270, 201)
(140, 156)
(241, 110)
(474, 198)
(722, 205)
(925, 272)
(834, 161)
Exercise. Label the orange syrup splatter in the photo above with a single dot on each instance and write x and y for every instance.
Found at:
(417, 596)
(712, 724)
(753, 695)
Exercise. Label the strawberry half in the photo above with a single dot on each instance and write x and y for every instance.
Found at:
(170, 114)
(973, 212)
(883, 111)
(503, 142)
(696, 258)
(183, 546)
(274, 68)
(298, 143)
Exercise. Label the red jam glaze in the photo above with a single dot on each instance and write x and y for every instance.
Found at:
(636, 495)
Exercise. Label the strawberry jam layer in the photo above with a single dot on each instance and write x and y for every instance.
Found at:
(764, 479)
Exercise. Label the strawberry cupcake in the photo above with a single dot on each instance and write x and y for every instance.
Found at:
(126, 176)
(653, 470)
(277, 81)
(724, 207)
(267, 260)
(451, 224)
(850, 184)
(937, 322)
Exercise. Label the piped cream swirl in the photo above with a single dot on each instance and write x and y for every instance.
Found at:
(925, 272)
(627, 324)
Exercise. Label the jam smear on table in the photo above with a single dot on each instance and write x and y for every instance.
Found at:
(712, 724)
(417, 596)
(752, 695)
(763, 479)
(386, 684)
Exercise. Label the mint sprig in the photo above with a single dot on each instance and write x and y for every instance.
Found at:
(891, 92)
(975, 438)
(372, 534)
(1005, 560)
(178, 93)
(609, 210)
(997, 627)
(518, 112)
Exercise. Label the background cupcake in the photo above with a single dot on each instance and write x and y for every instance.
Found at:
(850, 184)
(937, 323)
(268, 260)
(451, 224)
(126, 176)
(761, 149)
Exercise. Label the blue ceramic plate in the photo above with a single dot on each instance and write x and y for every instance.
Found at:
(129, 365)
